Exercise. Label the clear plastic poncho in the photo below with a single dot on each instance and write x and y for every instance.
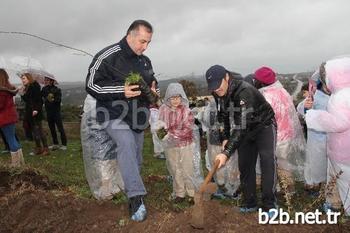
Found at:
(336, 120)
(181, 129)
(99, 154)
(316, 146)
(179, 122)
(197, 162)
(229, 174)
(336, 123)
(290, 148)
(157, 143)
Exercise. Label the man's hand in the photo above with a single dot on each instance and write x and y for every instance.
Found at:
(129, 93)
(34, 113)
(153, 87)
(222, 158)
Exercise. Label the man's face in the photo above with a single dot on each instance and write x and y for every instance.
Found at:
(221, 91)
(139, 39)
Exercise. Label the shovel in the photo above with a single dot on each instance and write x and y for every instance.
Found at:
(203, 193)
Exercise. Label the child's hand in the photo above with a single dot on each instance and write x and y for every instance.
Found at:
(161, 133)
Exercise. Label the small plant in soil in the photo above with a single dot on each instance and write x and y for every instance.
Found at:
(133, 78)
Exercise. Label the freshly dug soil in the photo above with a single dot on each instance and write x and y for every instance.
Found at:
(30, 203)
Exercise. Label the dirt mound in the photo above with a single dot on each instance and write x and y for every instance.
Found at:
(30, 203)
(28, 179)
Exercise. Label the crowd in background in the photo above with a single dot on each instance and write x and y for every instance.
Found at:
(34, 98)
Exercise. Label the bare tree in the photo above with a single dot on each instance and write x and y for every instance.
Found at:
(190, 88)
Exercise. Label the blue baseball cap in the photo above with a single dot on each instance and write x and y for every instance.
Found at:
(214, 77)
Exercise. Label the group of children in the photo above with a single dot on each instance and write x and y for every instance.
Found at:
(327, 114)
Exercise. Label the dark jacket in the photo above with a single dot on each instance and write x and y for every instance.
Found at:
(33, 102)
(51, 95)
(8, 113)
(105, 82)
(249, 110)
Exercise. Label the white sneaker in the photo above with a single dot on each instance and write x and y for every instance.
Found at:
(54, 147)
(63, 147)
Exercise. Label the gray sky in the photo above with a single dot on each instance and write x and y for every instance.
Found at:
(190, 36)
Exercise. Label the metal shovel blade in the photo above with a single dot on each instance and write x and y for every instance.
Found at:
(197, 220)
(210, 188)
(205, 190)
(198, 208)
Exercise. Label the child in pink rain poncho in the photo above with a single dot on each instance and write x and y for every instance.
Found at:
(290, 148)
(336, 122)
(179, 141)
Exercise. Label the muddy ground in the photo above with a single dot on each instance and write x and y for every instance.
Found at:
(29, 202)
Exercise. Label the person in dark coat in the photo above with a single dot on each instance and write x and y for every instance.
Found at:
(124, 108)
(52, 95)
(251, 132)
(33, 112)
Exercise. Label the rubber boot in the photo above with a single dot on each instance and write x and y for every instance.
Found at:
(20, 157)
(15, 160)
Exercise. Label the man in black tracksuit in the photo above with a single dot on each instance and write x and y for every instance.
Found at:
(252, 132)
(52, 96)
(124, 109)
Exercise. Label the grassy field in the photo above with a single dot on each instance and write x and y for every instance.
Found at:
(66, 168)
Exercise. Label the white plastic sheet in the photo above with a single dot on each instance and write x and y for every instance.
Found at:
(316, 147)
(99, 154)
(229, 174)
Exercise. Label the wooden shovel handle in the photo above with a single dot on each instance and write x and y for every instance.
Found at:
(210, 175)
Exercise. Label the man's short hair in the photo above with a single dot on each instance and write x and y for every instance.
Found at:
(140, 22)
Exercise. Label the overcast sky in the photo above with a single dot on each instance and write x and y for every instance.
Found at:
(189, 36)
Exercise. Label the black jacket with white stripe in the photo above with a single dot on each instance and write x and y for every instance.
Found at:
(105, 82)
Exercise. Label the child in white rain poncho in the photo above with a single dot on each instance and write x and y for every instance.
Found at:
(336, 122)
(316, 153)
(290, 148)
(179, 143)
(226, 177)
